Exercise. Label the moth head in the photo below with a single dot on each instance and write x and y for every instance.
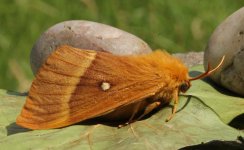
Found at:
(185, 85)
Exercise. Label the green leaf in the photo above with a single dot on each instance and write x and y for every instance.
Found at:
(200, 118)
(225, 104)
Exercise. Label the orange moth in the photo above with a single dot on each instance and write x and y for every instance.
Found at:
(74, 85)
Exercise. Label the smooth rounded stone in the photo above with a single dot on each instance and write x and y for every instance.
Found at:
(191, 58)
(85, 35)
(228, 40)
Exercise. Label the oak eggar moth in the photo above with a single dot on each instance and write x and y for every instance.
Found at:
(74, 85)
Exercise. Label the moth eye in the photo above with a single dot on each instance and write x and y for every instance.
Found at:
(105, 86)
(184, 87)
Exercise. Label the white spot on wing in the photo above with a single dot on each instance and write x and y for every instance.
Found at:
(105, 86)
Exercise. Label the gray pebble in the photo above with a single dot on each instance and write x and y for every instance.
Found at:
(85, 35)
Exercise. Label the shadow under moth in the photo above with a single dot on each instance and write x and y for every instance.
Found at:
(74, 85)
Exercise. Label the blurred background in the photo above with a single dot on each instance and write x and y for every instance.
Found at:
(177, 26)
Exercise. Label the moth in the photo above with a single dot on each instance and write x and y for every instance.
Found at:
(74, 85)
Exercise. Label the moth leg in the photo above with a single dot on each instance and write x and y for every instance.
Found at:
(176, 101)
(134, 113)
(132, 116)
(149, 109)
